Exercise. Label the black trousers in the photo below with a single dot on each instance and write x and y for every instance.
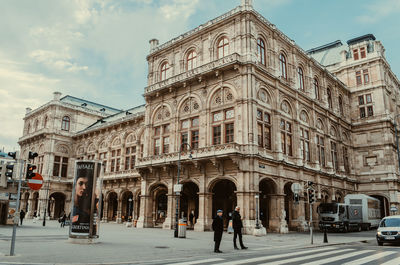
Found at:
(237, 232)
(217, 243)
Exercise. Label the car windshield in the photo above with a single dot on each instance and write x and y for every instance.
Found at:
(328, 208)
(390, 222)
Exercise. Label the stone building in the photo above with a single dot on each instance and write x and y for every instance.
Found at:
(247, 112)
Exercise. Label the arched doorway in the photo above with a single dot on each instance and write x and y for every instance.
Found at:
(267, 188)
(136, 210)
(127, 206)
(112, 208)
(289, 200)
(384, 204)
(224, 198)
(189, 200)
(160, 205)
(57, 204)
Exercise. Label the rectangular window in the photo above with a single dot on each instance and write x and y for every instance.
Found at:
(166, 145)
(127, 162)
(368, 98)
(217, 135)
(184, 140)
(229, 133)
(362, 52)
(259, 115)
(195, 122)
(117, 164)
(355, 54)
(305, 144)
(166, 129)
(56, 166)
(229, 114)
(267, 137)
(157, 131)
(366, 76)
(133, 159)
(283, 142)
(217, 116)
(185, 124)
(64, 167)
(346, 160)
(360, 100)
(358, 78)
(195, 140)
(260, 134)
(362, 113)
(334, 156)
(112, 169)
(370, 111)
(321, 150)
(157, 144)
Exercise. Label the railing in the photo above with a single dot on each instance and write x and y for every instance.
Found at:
(190, 74)
(199, 153)
(121, 174)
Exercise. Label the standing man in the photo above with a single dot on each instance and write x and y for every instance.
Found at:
(237, 228)
(218, 227)
(191, 218)
(21, 216)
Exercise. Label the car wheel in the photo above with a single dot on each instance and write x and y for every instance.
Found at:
(379, 243)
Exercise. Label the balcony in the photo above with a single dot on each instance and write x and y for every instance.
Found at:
(130, 173)
(197, 72)
(204, 153)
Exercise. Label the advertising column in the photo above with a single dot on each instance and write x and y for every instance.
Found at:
(85, 200)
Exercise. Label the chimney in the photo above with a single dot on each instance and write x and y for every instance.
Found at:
(28, 110)
(57, 95)
(153, 44)
(247, 3)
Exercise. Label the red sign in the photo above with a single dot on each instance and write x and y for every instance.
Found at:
(36, 182)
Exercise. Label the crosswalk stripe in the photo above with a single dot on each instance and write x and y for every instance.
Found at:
(393, 261)
(307, 257)
(245, 261)
(345, 256)
(196, 262)
(371, 258)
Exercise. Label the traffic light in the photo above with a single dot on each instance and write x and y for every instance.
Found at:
(32, 155)
(310, 183)
(311, 195)
(296, 198)
(9, 171)
(29, 171)
(13, 155)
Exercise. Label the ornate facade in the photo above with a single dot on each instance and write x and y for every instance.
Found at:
(254, 112)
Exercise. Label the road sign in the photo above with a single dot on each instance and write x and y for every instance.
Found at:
(36, 182)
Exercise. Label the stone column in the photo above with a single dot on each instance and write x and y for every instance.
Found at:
(277, 220)
(119, 211)
(204, 221)
(145, 216)
(169, 222)
(105, 211)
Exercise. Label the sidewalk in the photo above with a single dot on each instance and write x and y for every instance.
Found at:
(119, 244)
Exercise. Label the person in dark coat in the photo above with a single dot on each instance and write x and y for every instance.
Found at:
(218, 227)
(63, 218)
(237, 228)
(21, 216)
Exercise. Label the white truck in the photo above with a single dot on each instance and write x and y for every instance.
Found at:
(358, 212)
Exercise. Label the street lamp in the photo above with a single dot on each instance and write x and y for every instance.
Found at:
(178, 190)
(129, 211)
(47, 201)
(257, 211)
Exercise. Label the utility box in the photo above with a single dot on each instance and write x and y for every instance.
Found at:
(182, 228)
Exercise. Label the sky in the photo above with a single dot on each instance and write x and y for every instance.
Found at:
(96, 49)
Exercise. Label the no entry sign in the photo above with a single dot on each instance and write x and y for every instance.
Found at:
(36, 182)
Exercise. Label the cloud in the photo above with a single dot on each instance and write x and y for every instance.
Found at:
(178, 9)
(379, 10)
(59, 60)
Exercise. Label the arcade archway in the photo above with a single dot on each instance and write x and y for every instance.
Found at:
(224, 198)
(267, 188)
(112, 206)
(160, 205)
(384, 205)
(289, 201)
(57, 204)
(127, 206)
(189, 200)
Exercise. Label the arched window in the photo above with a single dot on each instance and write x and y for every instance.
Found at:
(191, 60)
(36, 125)
(328, 92)
(341, 105)
(65, 123)
(261, 51)
(316, 88)
(300, 76)
(282, 65)
(223, 47)
(164, 71)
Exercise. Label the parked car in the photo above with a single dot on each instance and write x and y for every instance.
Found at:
(388, 230)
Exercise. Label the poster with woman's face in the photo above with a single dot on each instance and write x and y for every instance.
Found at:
(82, 198)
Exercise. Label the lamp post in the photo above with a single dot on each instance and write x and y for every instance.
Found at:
(257, 211)
(397, 139)
(178, 190)
(45, 205)
(129, 210)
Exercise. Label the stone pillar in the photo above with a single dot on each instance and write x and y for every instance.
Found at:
(204, 221)
(119, 211)
(169, 222)
(277, 216)
(29, 214)
(105, 211)
(145, 216)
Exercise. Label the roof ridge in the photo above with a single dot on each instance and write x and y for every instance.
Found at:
(91, 102)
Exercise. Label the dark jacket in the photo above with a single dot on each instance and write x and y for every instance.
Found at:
(218, 227)
(236, 221)
(22, 215)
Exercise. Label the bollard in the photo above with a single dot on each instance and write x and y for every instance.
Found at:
(325, 236)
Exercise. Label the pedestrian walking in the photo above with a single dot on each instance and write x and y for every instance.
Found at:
(237, 228)
(63, 218)
(191, 218)
(218, 227)
(21, 216)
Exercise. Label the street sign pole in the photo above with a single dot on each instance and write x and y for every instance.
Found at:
(14, 233)
(311, 225)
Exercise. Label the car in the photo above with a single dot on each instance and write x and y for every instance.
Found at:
(388, 230)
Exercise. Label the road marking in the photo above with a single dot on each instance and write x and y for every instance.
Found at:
(196, 261)
(371, 258)
(308, 257)
(393, 261)
(245, 261)
(345, 256)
